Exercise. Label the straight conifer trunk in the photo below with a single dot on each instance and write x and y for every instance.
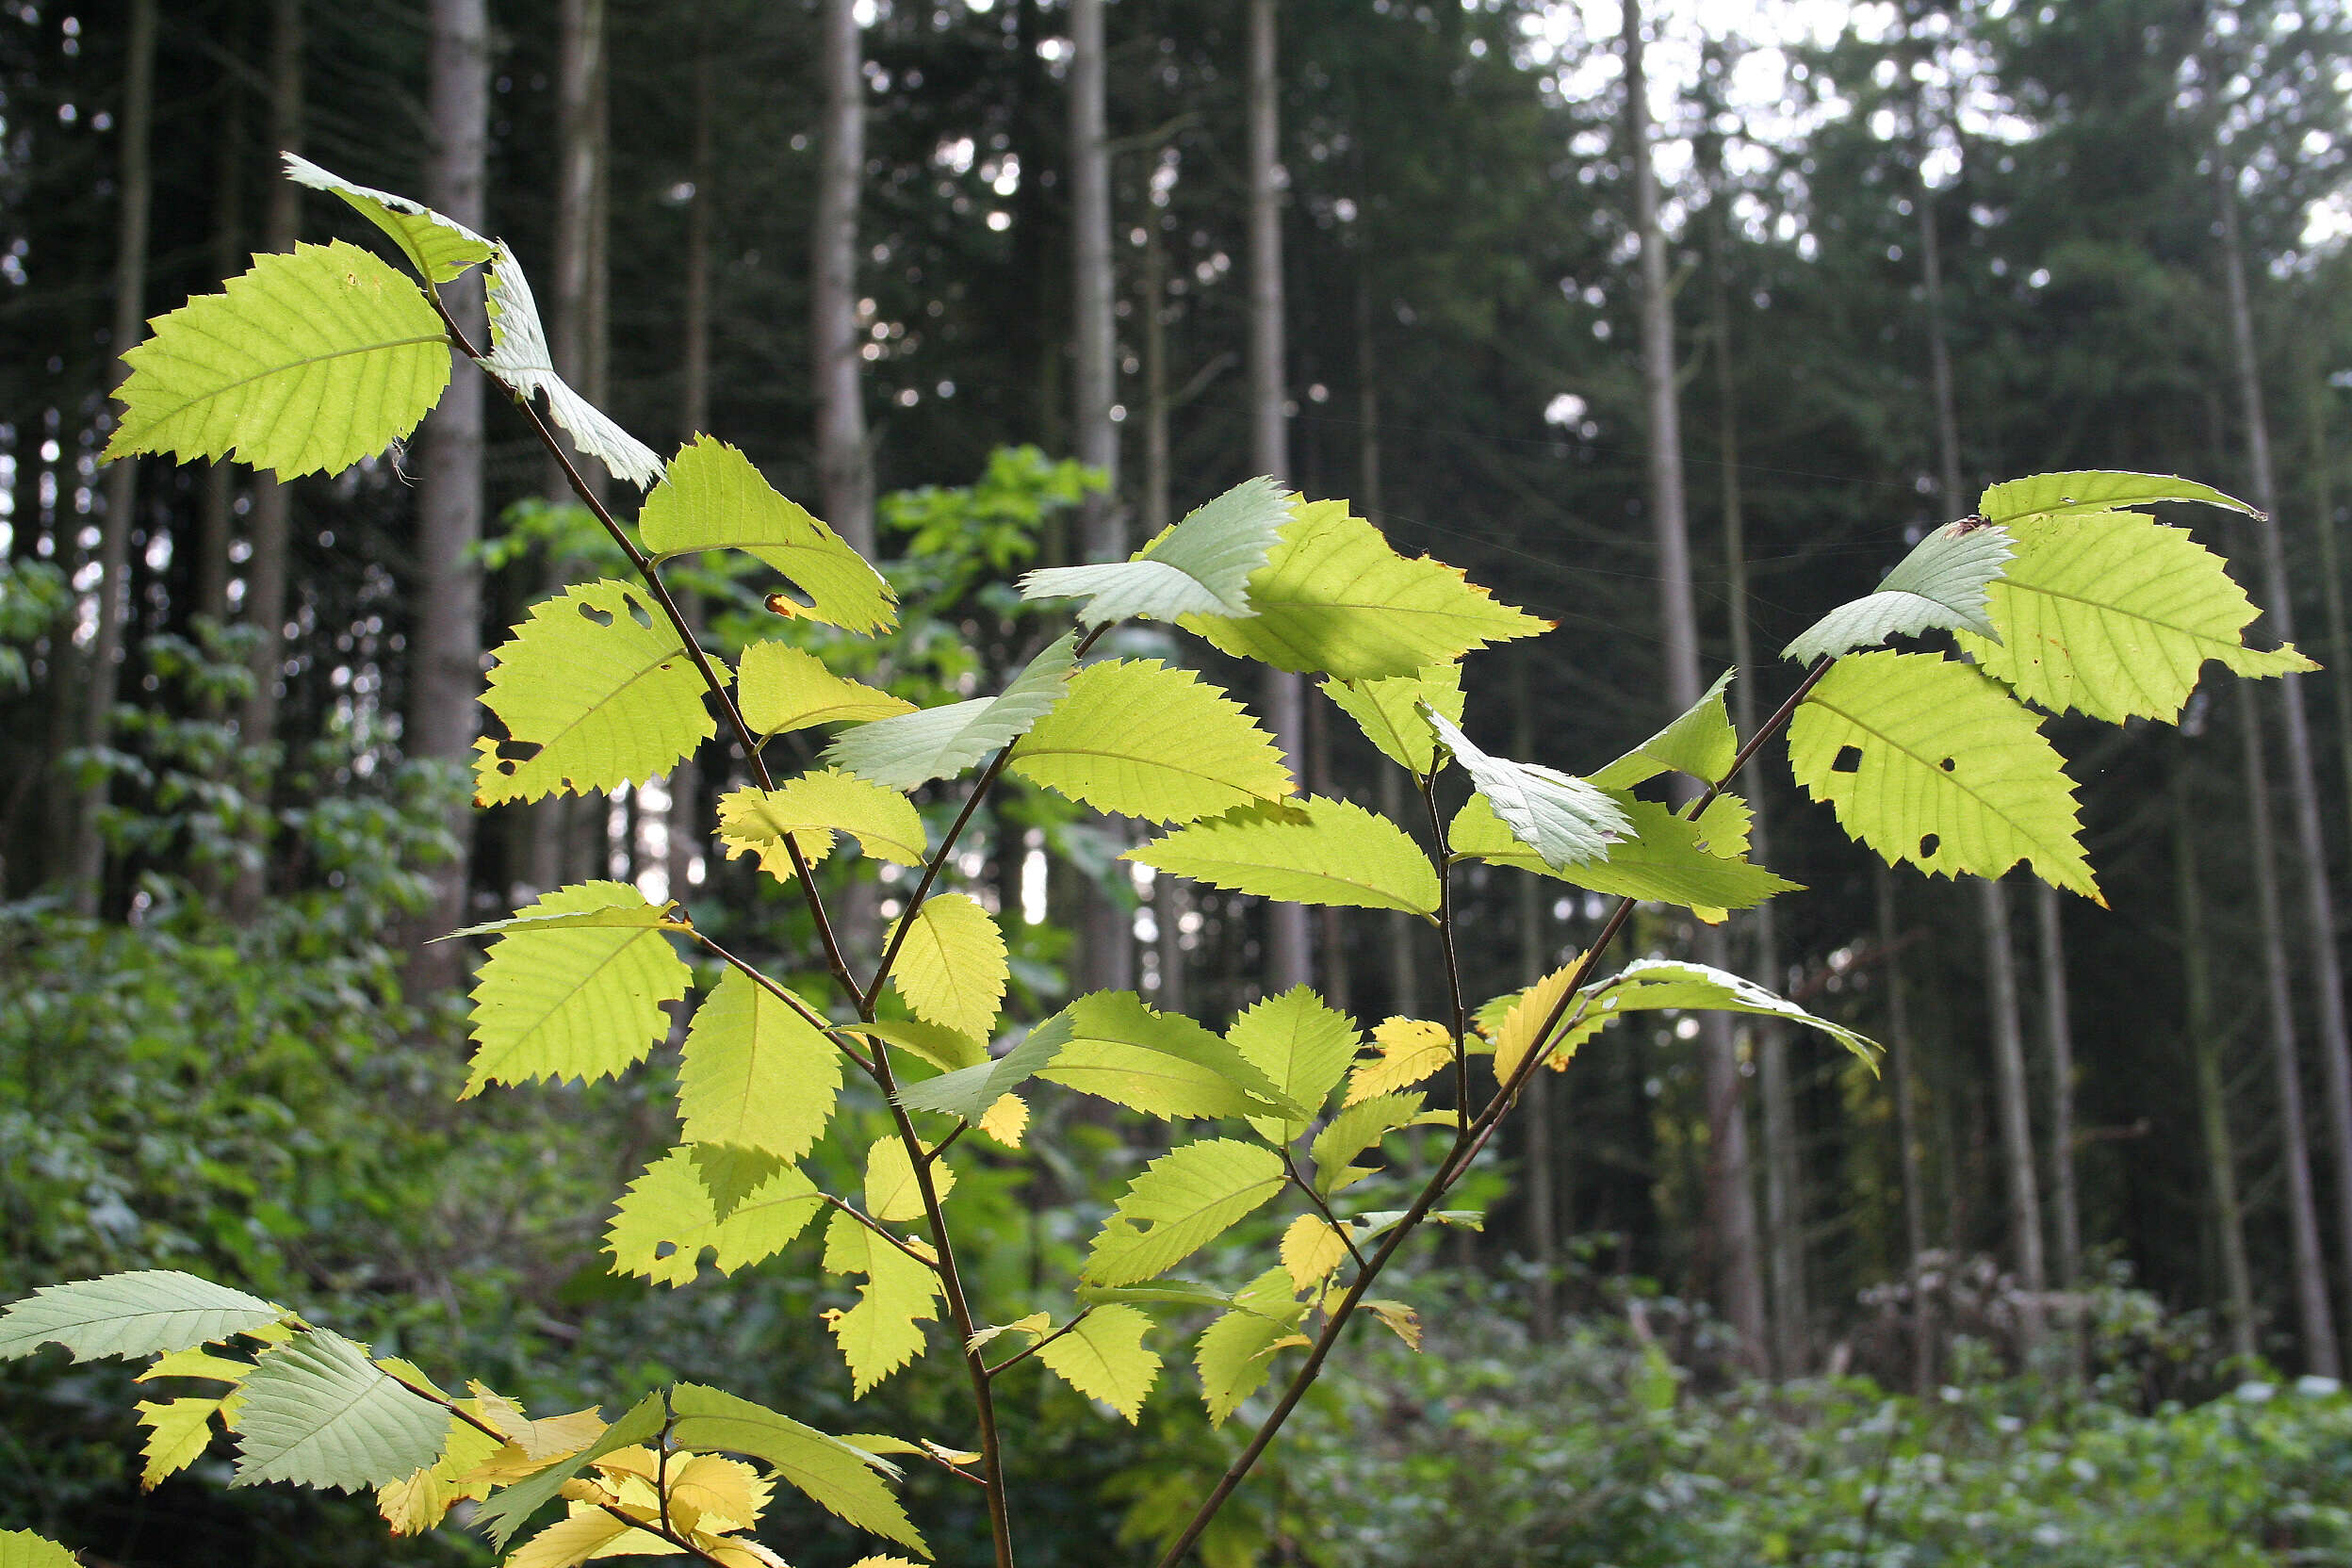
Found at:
(2058, 1027)
(266, 568)
(694, 418)
(845, 465)
(1902, 1083)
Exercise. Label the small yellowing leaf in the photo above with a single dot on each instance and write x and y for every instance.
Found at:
(1006, 1120)
(1411, 1051)
(1517, 1035)
(176, 1434)
(892, 1194)
(1312, 1248)
(1401, 1320)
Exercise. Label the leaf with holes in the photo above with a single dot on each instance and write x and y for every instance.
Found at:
(2067, 495)
(145, 1313)
(519, 356)
(1103, 1358)
(1180, 1202)
(951, 969)
(884, 1330)
(1161, 1064)
(578, 1004)
(441, 249)
(1388, 711)
(1137, 738)
(782, 689)
(1941, 583)
(1566, 821)
(1314, 851)
(712, 498)
(319, 1412)
(1202, 565)
(668, 1216)
(756, 1073)
(940, 742)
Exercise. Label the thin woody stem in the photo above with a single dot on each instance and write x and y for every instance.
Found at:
(1323, 1208)
(863, 1217)
(1012, 1361)
(1443, 865)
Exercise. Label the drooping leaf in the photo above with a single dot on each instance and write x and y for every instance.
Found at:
(305, 364)
(782, 689)
(519, 356)
(1161, 1064)
(2066, 494)
(1180, 1202)
(579, 1003)
(319, 1412)
(668, 1216)
(812, 809)
(836, 1476)
(971, 1092)
(1411, 1050)
(1303, 1044)
(892, 1194)
(2113, 614)
(1666, 858)
(145, 1313)
(597, 686)
(1202, 565)
(1236, 1352)
(1334, 599)
(884, 1330)
(508, 1510)
(756, 1073)
(178, 1431)
(1941, 583)
(1566, 821)
(1312, 1247)
(712, 498)
(1398, 1319)
(1314, 851)
(952, 968)
(1648, 984)
(940, 742)
(1700, 743)
(441, 249)
(1103, 1358)
(1359, 1127)
(1388, 711)
(1141, 739)
(1930, 762)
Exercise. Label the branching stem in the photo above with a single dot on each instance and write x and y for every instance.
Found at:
(1012, 1361)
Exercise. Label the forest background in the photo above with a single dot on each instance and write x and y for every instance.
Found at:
(891, 249)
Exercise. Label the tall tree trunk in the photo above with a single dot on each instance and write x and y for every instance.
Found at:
(2017, 1126)
(1403, 971)
(1730, 1205)
(845, 465)
(447, 655)
(219, 525)
(114, 536)
(1289, 946)
(2310, 845)
(1902, 1083)
(1541, 1201)
(1169, 895)
(2331, 564)
(693, 420)
(2058, 1025)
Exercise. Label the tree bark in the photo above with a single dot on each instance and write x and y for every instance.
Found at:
(2332, 567)
(2058, 1026)
(210, 589)
(686, 818)
(844, 465)
(2017, 1126)
(1902, 1083)
(1541, 1201)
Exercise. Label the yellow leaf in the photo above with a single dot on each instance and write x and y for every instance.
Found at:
(1516, 1035)
(1411, 1050)
(1401, 1320)
(951, 969)
(711, 1493)
(892, 1194)
(419, 1502)
(783, 689)
(1006, 1119)
(196, 1363)
(810, 809)
(573, 1539)
(176, 1434)
(1312, 1248)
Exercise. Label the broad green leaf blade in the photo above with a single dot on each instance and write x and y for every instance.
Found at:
(1201, 564)
(2113, 614)
(756, 1073)
(1566, 821)
(1161, 1064)
(1648, 984)
(441, 249)
(2019, 500)
(1137, 738)
(519, 356)
(950, 968)
(940, 742)
(841, 1480)
(1334, 599)
(1666, 860)
(1359, 1127)
(510, 1508)
(1316, 850)
(669, 1216)
(712, 498)
(305, 364)
(1700, 743)
(1940, 583)
(894, 1195)
(730, 1173)
(1236, 1352)
(970, 1091)
(1388, 711)
(1930, 762)
(596, 687)
(812, 809)
(319, 1412)
(1303, 1044)
(1103, 1358)
(1180, 1202)
(781, 689)
(24, 1549)
(572, 1003)
(884, 1330)
(145, 1312)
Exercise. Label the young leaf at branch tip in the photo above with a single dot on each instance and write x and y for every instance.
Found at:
(1103, 1358)
(892, 1194)
(669, 1215)
(810, 809)
(1201, 564)
(2114, 615)
(1141, 739)
(1034, 1325)
(1303, 1045)
(441, 249)
(1653, 983)
(319, 1412)
(1566, 821)
(1359, 1127)
(581, 1003)
(1236, 1352)
(974, 1092)
(593, 682)
(1334, 598)
(1314, 851)
(755, 1073)
(713, 498)
(1929, 760)
(781, 689)
(1411, 1050)
(305, 364)
(950, 968)
(939, 742)
(1161, 1064)
(145, 1313)
(1940, 583)
(1666, 859)
(1388, 713)
(1311, 1248)
(519, 357)
(2019, 501)
(1700, 743)
(1180, 1203)
(884, 1330)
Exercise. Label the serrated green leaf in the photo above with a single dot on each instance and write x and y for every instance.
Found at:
(712, 498)
(810, 809)
(1409, 1051)
(1303, 1045)
(949, 1050)
(668, 1216)
(305, 364)
(1103, 1358)
(756, 1073)
(1941, 583)
(2064, 495)
(884, 1330)
(2113, 614)
(595, 683)
(730, 1172)
(1666, 859)
(1388, 711)
(781, 689)
(1167, 1293)
(143, 1313)
(1180, 1202)
(1161, 1064)
(1334, 599)
(940, 742)
(1313, 851)
(1566, 821)
(1650, 984)
(441, 249)
(838, 1478)
(572, 1003)
(319, 1412)
(970, 1091)
(892, 1194)
(510, 1508)
(24, 1549)
(1700, 743)
(1359, 1127)
(519, 356)
(1201, 564)
(1941, 769)
(951, 969)
(1137, 738)
(1236, 1352)
(636, 914)
(178, 1431)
